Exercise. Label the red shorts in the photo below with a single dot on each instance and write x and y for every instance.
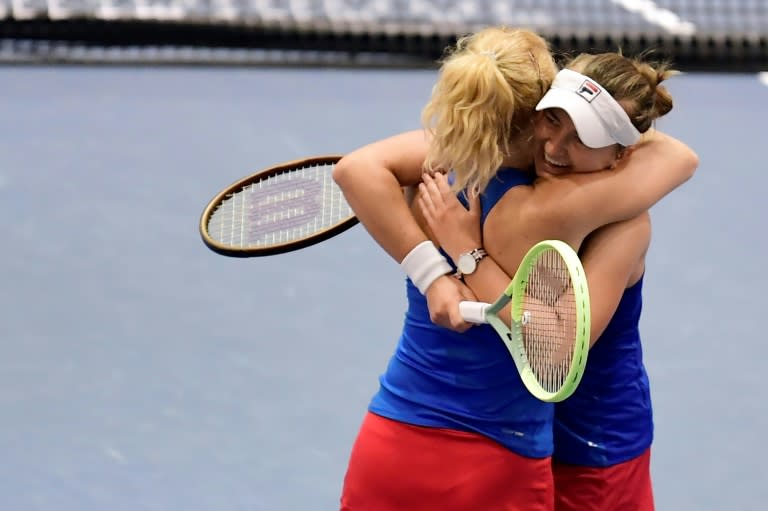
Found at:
(625, 487)
(400, 467)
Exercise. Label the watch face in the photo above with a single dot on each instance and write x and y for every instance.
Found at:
(466, 264)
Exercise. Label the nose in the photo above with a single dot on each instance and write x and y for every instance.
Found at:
(555, 142)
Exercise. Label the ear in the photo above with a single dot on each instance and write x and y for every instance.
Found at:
(621, 152)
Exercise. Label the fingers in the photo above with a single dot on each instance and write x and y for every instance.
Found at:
(441, 183)
(443, 298)
(439, 193)
(431, 198)
(458, 324)
(456, 319)
(426, 204)
(429, 186)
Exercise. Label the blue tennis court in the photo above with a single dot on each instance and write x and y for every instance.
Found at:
(141, 371)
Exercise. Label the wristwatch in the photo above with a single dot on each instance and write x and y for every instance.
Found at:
(467, 263)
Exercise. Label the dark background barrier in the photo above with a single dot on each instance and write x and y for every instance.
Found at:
(724, 35)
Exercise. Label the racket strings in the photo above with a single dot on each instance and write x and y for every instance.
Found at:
(281, 208)
(549, 320)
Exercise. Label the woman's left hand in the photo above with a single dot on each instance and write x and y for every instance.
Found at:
(457, 229)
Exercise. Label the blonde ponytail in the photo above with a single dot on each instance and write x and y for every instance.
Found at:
(484, 98)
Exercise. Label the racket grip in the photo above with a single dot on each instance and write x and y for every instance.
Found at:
(473, 312)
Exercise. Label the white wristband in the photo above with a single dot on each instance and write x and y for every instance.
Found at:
(425, 264)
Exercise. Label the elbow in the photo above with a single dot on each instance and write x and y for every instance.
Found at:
(680, 158)
(342, 170)
(692, 163)
(688, 160)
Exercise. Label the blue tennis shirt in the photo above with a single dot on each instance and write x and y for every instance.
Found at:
(463, 381)
(609, 420)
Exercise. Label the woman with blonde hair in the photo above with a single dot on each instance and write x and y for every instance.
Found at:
(452, 426)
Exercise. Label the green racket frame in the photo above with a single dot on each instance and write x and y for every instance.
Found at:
(513, 337)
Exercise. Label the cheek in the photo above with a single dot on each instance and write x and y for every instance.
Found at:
(590, 160)
(541, 127)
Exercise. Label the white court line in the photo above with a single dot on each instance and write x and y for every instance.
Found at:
(658, 15)
(763, 77)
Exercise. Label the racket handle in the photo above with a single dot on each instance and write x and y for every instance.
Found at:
(473, 312)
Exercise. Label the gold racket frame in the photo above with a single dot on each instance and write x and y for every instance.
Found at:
(290, 246)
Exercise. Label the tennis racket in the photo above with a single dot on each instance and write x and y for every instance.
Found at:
(548, 336)
(283, 208)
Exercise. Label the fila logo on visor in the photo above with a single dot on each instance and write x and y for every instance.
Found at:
(588, 91)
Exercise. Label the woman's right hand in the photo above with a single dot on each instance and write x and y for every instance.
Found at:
(455, 228)
(443, 298)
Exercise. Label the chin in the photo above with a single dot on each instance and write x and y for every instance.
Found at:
(544, 169)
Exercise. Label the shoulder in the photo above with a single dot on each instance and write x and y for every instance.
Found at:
(502, 207)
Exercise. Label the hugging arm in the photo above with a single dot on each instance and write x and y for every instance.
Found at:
(458, 230)
(613, 259)
(612, 256)
(583, 202)
(372, 178)
(568, 208)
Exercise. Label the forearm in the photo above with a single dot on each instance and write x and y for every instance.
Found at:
(372, 179)
(653, 170)
(379, 203)
(488, 283)
(489, 280)
(613, 258)
(586, 201)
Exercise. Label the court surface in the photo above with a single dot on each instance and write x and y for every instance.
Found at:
(140, 371)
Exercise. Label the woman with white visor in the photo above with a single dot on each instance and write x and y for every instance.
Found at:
(603, 432)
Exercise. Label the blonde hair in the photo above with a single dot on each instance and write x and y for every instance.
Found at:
(633, 82)
(484, 100)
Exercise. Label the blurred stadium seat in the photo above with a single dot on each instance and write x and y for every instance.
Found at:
(717, 35)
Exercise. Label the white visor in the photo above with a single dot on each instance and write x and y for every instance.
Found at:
(598, 118)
